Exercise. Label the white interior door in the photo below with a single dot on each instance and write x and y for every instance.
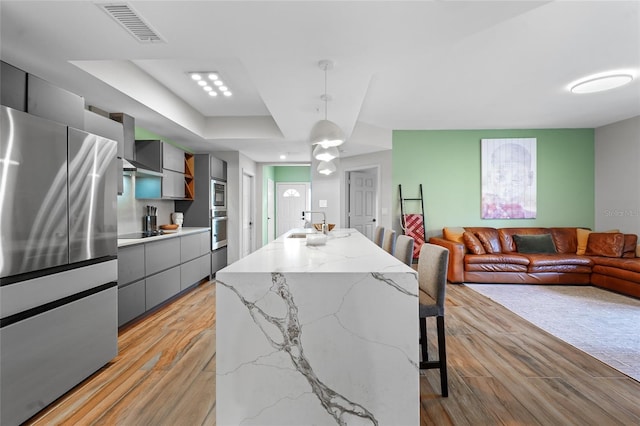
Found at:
(271, 210)
(363, 199)
(247, 214)
(292, 199)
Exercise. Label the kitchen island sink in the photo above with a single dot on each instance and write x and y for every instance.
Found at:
(317, 334)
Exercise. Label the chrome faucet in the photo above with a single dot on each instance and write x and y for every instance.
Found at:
(324, 219)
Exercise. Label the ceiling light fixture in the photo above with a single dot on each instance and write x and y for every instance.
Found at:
(326, 167)
(210, 80)
(600, 83)
(325, 154)
(325, 132)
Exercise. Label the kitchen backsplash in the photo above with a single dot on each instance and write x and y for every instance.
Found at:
(131, 211)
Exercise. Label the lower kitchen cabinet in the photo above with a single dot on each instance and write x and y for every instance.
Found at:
(152, 272)
(131, 302)
(162, 286)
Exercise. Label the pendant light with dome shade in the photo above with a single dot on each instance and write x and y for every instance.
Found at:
(326, 168)
(326, 133)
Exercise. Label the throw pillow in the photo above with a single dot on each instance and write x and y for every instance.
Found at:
(583, 236)
(473, 243)
(490, 240)
(453, 234)
(542, 243)
(605, 244)
(630, 242)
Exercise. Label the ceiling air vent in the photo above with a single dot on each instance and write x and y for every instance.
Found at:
(126, 16)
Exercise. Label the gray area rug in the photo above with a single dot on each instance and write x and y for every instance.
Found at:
(604, 324)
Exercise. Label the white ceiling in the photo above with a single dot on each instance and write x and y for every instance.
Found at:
(398, 65)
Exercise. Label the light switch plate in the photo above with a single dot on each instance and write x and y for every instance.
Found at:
(322, 203)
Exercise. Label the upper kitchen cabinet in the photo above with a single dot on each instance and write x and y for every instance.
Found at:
(162, 157)
(54, 103)
(159, 155)
(218, 168)
(14, 87)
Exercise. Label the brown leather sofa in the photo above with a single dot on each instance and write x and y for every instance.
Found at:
(492, 255)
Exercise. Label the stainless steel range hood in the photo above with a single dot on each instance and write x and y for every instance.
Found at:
(134, 167)
(129, 164)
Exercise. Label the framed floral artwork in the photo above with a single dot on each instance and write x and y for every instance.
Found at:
(508, 178)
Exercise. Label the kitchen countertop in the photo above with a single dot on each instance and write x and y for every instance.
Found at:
(124, 242)
(317, 334)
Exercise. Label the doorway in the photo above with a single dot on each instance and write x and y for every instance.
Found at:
(363, 200)
(292, 199)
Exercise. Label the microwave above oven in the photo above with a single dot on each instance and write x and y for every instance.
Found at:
(218, 195)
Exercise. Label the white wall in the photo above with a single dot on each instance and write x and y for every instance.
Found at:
(236, 164)
(617, 176)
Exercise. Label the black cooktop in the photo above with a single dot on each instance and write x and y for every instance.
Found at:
(136, 235)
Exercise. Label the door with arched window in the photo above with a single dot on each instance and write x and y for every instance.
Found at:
(292, 199)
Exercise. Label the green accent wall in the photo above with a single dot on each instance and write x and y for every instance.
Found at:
(144, 134)
(292, 173)
(447, 164)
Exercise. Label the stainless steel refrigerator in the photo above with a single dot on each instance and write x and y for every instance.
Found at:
(58, 260)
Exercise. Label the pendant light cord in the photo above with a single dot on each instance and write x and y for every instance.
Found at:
(326, 99)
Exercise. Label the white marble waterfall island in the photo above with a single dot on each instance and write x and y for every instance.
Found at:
(322, 335)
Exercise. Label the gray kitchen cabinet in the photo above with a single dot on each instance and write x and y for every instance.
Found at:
(131, 264)
(218, 168)
(192, 272)
(190, 247)
(162, 286)
(161, 255)
(14, 87)
(131, 301)
(218, 259)
(54, 103)
(172, 184)
(172, 158)
(152, 272)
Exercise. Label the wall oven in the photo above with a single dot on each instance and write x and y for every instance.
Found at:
(218, 195)
(218, 229)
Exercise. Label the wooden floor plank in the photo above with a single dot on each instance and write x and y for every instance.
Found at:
(502, 370)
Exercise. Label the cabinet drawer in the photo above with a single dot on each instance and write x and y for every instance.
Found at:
(192, 272)
(161, 255)
(205, 242)
(161, 287)
(130, 264)
(131, 302)
(190, 247)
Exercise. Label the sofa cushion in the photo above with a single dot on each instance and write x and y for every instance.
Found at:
(565, 239)
(489, 238)
(542, 243)
(472, 243)
(498, 262)
(630, 241)
(605, 244)
(453, 234)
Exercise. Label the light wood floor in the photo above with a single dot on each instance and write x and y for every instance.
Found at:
(502, 370)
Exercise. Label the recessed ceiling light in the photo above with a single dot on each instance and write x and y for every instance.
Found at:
(283, 157)
(601, 83)
(205, 78)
